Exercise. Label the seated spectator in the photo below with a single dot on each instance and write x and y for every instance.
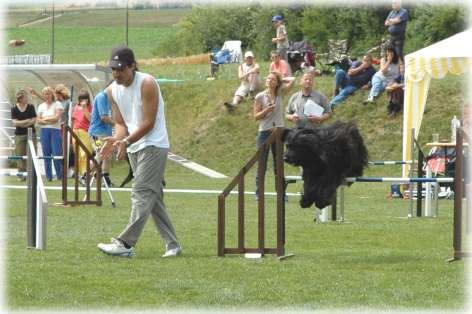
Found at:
(395, 92)
(49, 118)
(23, 116)
(279, 65)
(358, 76)
(100, 127)
(250, 80)
(300, 106)
(390, 68)
(80, 125)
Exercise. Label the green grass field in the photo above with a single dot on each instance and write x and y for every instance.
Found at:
(376, 259)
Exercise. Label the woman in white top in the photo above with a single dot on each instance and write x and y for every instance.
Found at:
(268, 111)
(390, 68)
(49, 116)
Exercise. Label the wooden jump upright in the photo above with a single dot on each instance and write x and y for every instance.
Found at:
(96, 165)
(276, 137)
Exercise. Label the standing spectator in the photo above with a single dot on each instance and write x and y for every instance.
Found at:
(23, 116)
(63, 96)
(396, 22)
(279, 65)
(80, 125)
(268, 112)
(100, 127)
(358, 76)
(49, 115)
(281, 38)
(138, 109)
(390, 68)
(248, 74)
(299, 109)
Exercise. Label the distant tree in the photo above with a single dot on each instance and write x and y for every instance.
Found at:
(432, 23)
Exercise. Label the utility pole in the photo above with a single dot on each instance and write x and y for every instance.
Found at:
(52, 34)
(126, 30)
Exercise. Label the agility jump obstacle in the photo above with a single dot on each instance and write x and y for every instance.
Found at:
(78, 143)
(458, 194)
(26, 157)
(37, 203)
(275, 137)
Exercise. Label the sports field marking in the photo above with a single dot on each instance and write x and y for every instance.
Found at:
(188, 191)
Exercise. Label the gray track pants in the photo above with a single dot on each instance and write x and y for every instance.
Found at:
(147, 195)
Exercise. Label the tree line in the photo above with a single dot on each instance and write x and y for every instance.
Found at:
(208, 27)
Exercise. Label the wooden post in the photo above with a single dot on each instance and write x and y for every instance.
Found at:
(419, 187)
(261, 201)
(221, 225)
(241, 211)
(457, 237)
(65, 165)
(279, 163)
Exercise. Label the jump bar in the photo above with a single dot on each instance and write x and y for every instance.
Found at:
(394, 180)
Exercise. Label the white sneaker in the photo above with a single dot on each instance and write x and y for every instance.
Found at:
(173, 252)
(115, 248)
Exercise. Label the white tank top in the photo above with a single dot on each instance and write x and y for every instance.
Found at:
(129, 101)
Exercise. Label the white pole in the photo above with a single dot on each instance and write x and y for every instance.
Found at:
(427, 205)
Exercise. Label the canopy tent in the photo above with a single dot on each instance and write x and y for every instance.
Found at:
(451, 55)
(89, 76)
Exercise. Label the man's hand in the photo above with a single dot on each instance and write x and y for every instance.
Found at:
(274, 40)
(315, 119)
(121, 149)
(294, 118)
(108, 147)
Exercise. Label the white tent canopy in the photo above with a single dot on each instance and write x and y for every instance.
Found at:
(451, 55)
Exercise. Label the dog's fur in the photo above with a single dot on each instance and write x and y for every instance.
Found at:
(328, 154)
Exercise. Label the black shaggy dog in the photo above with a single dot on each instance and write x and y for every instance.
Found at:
(328, 154)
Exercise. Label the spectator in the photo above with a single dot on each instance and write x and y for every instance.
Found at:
(358, 76)
(63, 96)
(250, 81)
(396, 22)
(49, 115)
(281, 38)
(268, 112)
(279, 65)
(140, 131)
(23, 116)
(395, 93)
(390, 68)
(80, 125)
(307, 106)
(100, 127)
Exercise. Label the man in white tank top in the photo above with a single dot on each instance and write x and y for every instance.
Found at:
(140, 131)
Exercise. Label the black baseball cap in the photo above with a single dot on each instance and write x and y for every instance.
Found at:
(121, 57)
